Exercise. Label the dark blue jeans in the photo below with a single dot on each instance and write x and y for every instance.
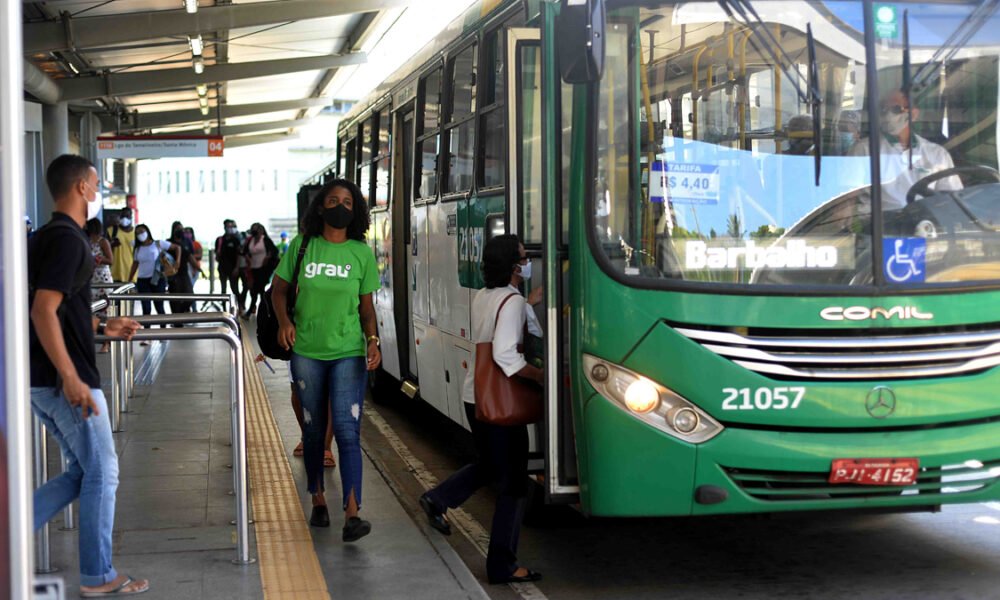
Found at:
(340, 385)
(144, 285)
(502, 459)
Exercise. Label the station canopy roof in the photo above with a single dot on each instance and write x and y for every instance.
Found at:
(153, 66)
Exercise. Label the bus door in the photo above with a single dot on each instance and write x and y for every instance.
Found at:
(402, 199)
(527, 175)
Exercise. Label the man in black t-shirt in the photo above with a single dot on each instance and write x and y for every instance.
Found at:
(65, 384)
(227, 252)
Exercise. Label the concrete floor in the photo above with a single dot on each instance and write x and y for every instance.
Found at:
(173, 511)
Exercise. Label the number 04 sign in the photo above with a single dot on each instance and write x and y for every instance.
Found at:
(160, 147)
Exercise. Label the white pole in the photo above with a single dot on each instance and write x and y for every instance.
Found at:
(15, 310)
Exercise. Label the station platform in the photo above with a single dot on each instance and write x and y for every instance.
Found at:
(174, 508)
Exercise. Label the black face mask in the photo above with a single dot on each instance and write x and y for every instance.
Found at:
(338, 217)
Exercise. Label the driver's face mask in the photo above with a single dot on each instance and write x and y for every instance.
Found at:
(894, 123)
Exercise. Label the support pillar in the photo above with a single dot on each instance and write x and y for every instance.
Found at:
(55, 142)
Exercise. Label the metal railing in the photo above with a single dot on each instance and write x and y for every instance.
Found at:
(229, 334)
(121, 302)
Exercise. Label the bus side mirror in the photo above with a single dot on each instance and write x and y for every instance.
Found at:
(580, 40)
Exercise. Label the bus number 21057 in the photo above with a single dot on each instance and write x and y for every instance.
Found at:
(779, 398)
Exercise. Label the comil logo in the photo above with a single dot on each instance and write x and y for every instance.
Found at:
(314, 269)
(863, 313)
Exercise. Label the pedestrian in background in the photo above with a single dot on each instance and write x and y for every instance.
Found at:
(147, 269)
(283, 244)
(333, 339)
(197, 253)
(262, 258)
(100, 249)
(180, 282)
(227, 253)
(121, 236)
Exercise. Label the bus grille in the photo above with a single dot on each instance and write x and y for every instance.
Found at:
(868, 354)
(786, 486)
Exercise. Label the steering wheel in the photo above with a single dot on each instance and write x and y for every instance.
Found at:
(923, 187)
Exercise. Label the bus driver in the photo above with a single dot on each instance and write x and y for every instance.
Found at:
(897, 143)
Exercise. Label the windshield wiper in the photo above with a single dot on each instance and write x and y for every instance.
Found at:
(956, 41)
(811, 95)
(908, 81)
(815, 102)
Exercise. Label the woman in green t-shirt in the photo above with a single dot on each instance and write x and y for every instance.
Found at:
(333, 338)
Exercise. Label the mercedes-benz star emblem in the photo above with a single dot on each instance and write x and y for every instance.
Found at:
(880, 402)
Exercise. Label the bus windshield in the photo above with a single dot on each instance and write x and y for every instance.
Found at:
(706, 166)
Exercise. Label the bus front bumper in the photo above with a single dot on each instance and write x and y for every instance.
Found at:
(635, 470)
(768, 471)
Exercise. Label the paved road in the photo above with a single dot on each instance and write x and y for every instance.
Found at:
(954, 554)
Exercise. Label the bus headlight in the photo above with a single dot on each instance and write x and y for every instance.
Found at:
(649, 401)
(641, 396)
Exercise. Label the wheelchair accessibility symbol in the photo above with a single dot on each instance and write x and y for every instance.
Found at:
(905, 259)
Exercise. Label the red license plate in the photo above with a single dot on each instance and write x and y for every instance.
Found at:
(875, 471)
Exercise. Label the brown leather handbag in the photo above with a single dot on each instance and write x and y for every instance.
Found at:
(502, 400)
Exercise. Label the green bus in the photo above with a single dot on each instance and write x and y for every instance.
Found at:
(768, 234)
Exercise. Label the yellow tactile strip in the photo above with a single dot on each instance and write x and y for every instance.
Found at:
(289, 567)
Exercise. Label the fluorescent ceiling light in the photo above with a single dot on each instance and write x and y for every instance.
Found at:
(203, 101)
(197, 45)
(202, 89)
(207, 127)
(199, 65)
(191, 6)
(204, 110)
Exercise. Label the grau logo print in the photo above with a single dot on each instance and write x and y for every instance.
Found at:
(330, 270)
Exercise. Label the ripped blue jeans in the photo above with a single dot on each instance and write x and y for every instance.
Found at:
(340, 385)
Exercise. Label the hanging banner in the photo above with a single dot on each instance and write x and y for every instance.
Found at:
(159, 146)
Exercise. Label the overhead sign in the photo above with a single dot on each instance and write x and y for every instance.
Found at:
(156, 146)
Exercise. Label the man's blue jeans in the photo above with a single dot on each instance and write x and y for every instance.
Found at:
(92, 476)
(340, 385)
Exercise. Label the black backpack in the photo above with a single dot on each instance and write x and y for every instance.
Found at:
(83, 276)
(267, 320)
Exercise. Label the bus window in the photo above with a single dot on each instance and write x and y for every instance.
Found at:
(529, 153)
(460, 157)
(461, 133)
(382, 182)
(492, 91)
(431, 100)
(350, 156)
(428, 137)
(938, 145)
(384, 133)
(342, 158)
(706, 152)
(367, 139)
(427, 154)
(492, 169)
(365, 181)
(463, 80)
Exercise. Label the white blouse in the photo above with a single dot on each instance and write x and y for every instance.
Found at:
(507, 337)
